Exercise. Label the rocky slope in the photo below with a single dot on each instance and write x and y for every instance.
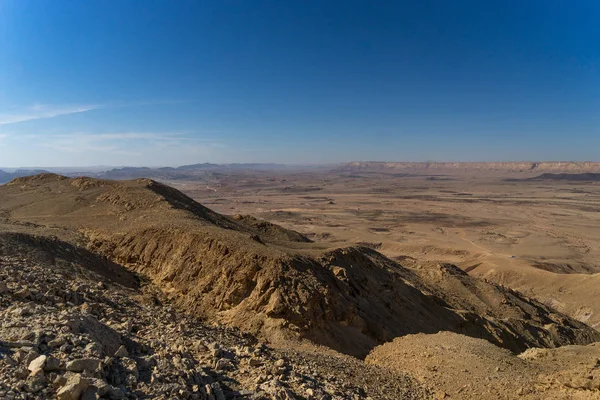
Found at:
(69, 333)
(459, 367)
(268, 281)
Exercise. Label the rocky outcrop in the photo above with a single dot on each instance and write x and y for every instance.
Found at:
(348, 299)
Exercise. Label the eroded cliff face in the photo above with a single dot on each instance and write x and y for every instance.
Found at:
(349, 299)
(508, 167)
(270, 282)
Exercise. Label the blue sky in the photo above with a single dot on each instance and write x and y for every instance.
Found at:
(176, 82)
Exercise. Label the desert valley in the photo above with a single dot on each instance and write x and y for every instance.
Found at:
(350, 281)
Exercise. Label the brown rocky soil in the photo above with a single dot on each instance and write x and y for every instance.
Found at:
(459, 367)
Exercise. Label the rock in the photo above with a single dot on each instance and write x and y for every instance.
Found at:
(254, 362)
(441, 395)
(21, 372)
(223, 364)
(36, 381)
(58, 342)
(91, 393)
(52, 364)
(101, 386)
(37, 363)
(84, 364)
(94, 349)
(23, 294)
(116, 393)
(214, 391)
(30, 356)
(122, 352)
(66, 348)
(276, 390)
(73, 388)
(280, 363)
(131, 368)
(107, 337)
(3, 287)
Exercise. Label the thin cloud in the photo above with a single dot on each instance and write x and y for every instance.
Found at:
(124, 143)
(115, 137)
(43, 111)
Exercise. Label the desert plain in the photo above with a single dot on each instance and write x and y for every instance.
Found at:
(540, 237)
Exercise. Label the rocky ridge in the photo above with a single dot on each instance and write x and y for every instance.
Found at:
(268, 281)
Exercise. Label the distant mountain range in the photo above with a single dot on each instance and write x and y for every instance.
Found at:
(184, 172)
(8, 176)
(192, 171)
(567, 170)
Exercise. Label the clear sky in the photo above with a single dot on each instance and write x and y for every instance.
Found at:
(176, 82)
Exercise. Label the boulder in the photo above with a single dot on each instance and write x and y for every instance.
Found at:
(37, 363)
(73, 388)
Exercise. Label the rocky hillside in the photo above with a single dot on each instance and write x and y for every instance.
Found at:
(459, 367)
(268, 281)
(76, 326)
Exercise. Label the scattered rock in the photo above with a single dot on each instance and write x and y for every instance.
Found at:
(37, 364)
(52, 364)
(73, 388)
(83, 364)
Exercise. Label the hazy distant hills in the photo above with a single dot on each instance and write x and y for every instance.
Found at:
(184, 172)
(567, 170)
(191, 171)
(8, 176)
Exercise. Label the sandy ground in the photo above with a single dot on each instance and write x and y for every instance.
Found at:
(537, 237)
